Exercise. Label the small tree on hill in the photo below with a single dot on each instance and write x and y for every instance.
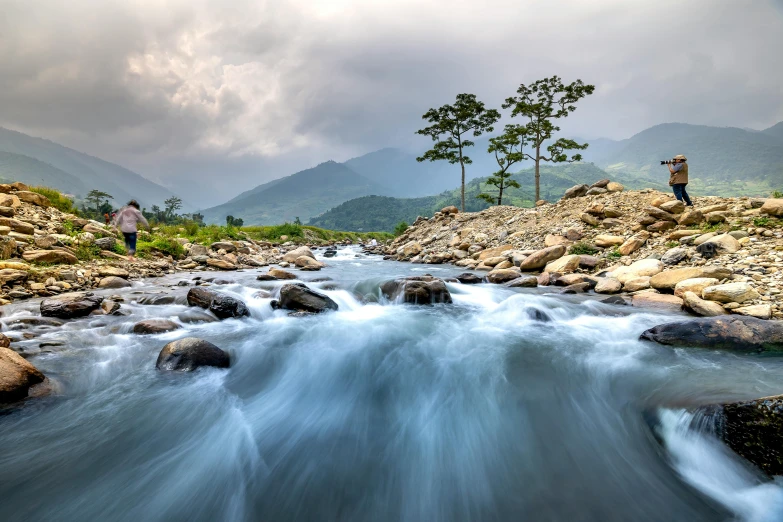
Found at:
(508, 149)
(231, 221)
(97, 198)
(451, 124)
(542, 103)
(172, 205)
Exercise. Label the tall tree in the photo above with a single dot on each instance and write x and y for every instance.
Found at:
(509, 150)
(543, 103)
(172, 205)
(451, 124)
(97, 198)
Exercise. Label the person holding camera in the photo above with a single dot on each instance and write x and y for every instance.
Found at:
(678, 178)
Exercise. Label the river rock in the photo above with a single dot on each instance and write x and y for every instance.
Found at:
(540, 258)
(703, 238)
(636, 284)
(673, 207)
(576, 191)
(503, 275)
(187, 354)
(613, 186)
(49, 256)
(660, 215)
(729, 332)
(564, 265)
(277, 273)
(762, 311)
(552, 240)
(114, 282)
(695, 304)
(410, 249)
(525, 281)
(725, 243)
(155, 326)
(607, 241)
(634, 243)
(222, 305)
(608, 285)
(692, 217)
(308, 263)
(293, 255)
(661, 226)
(113, 271)
(695, 285)
(106, 243)
(490, 253)
(70, 306)
(643, 267)
(221, 264)
(730, 293)
(469, 279)
(417, 290)
(666, 302)
(590, 219)
(223, 245)
(7, 247)
(674, 256)
(668, 279)
(772, 207)
(17, 376)
(299, 298)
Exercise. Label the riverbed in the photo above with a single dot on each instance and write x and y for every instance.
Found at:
(509, 404)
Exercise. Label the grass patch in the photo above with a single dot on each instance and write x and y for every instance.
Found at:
(672, 244)
(761, 221)
(614, 254)
(713, 227)
(60, 202)
(401, 227)
(582, 248)
(87, 252)
(163, 245)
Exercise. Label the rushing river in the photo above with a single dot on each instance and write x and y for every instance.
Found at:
(507, 405)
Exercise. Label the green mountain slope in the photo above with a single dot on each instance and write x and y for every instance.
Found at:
(303, 195)
(776, 131)
(81, 172)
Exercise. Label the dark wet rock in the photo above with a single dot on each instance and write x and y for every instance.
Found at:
(183, 283)
(320, 280)
(330, 253)
(114, 282)
(737, 333)
(538, 315)
(110, 307)
(190, 353)
(265, 277)
(157, 300)
(195, 316)
(576, 288)
(222, 305)
(301, 314)
(35, 321)
(70, 306)
(615, 300)
(469, 279)
(17, 376)
(417, 290)
(299, 298)
(154, 326)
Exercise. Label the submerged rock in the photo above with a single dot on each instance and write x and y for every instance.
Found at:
(737, 333)
(16, 376)
(469, 279)
(190, 353)
(70, 306)
(299, 298)
(222, 305)
(417, 290)
(154, 326)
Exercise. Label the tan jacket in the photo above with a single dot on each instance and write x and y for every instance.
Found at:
(679, 177)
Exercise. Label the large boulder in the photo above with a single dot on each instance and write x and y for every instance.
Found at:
(772, 207)
(525, 281)
(634, 243)
(299, 298)
(7, 247)
(673, 207)
(762, 311)
(695, 285)
(730, 293)
(308, 263)
(50, 256)
(608, 285)
(469, 279)
(503, 275)
(728, 332)
(410, 249)
(223, 245)
(70, 306)
(692, 217)
(221, 264)
(577, 191)
(725, 243)
(106, 243)
(114, 282)
(279, 273)
(417, 290)
(489, 253)
(113, 271)
(613, 186)
(669, 303)
(155, 326)
(660, 215)
(293, 255)
(564, 265)
(641, 268)
(540, 258)
(16, 376)
(222, 305)
(187, 354)
(668, 279)
(674, 256)
(695, 304)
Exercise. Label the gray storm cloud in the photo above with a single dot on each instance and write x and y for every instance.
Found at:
(185, 89)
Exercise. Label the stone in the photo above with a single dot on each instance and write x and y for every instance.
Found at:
(540, 258)
(10, 200)
(643, 267)
(692, 217)
(673, 207)
(661, 226)
(552, 240)
(762, 311)
(469, 279)
(595, 191)
(637, 284)
(608, 285)
(564, 265)
(611, 223)
(70, 306)
(293, 255)
(17, 376)
(298, 297)
(449, 210)
(614, 187)
(725, 243)
(280, 274)
(190, 353)
(50, 256)
(7, 247)
(695, 304)
(695, 285)
(720, 207)
(590, 219)
(665, 302)
(772, 207)
(525, 281)
(227, 246)
(155, 326)
(110, 307)
(596, 209)
(646, 221)
(674, 255)
(85, 238)
(728, 332)
(95, 230)
(222, 305)
(738, 234)
(221, 264)
(106, 243)
(308, 263)
(730, 293)
(198, 250)
(676, 235)
(493, 261)
(7, 211)
(715, 217)
(13, 275)
(410, 249)
(660, 200)
(114, 282)
(417, 290)
(573, 234)
(668, 279)
(634, 243)
(600, 183)
(576, 191)
(613, 213)
(503, 275)
(590, 262)
(704, 238)
(45, 242)
(607, 241)
(113, 271)
(660, 215)
(494, 252)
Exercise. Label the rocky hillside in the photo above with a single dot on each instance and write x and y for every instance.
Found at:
(721, 257)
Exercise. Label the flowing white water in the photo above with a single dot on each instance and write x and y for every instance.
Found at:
(506, 405)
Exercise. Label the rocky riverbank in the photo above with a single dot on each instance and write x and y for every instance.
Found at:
(721, 257)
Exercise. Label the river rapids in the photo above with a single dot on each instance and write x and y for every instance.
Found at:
(507, 405)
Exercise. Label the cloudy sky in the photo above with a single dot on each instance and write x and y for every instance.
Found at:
(214, 97)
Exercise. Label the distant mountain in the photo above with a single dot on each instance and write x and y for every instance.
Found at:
(303, 195)
(36, 161)
(776, 131)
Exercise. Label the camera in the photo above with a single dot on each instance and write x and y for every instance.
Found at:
(667, 162)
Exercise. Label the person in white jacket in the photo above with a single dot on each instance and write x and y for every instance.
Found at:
(127, 220)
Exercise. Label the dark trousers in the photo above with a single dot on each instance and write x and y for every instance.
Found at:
(130, 242)
(679, 193)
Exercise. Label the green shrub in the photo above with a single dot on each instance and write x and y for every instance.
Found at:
(582, 248)
(60, 202)
(400, 229)
(761, 221)
(777, 194)
(614, 254)
(712, 227)
(672, 244)
(87, 252)
(164, 245)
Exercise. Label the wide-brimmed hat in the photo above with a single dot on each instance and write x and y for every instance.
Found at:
(680, 157)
